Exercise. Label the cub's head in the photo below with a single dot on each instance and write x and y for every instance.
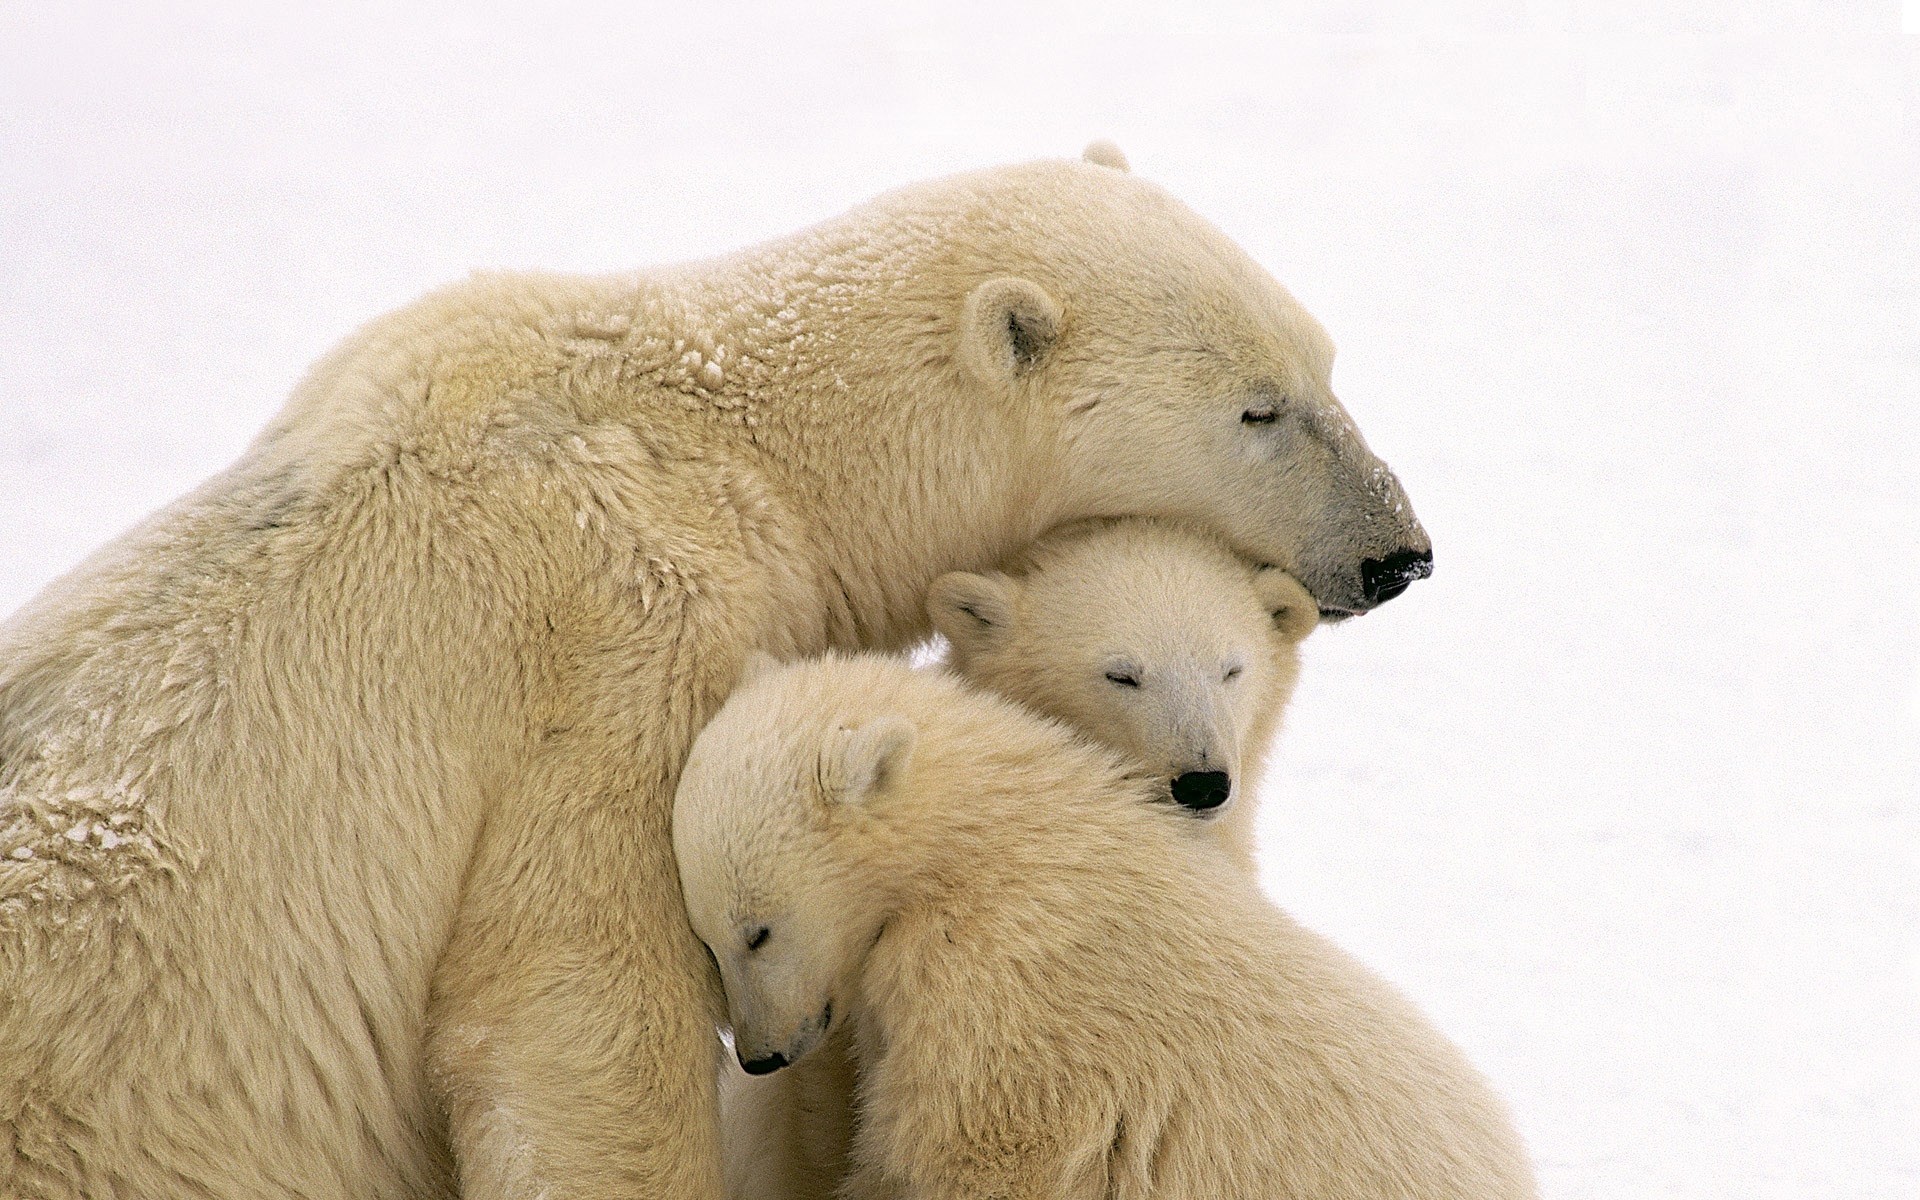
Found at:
(765, 829)
(1152, 638)
(1180, 379)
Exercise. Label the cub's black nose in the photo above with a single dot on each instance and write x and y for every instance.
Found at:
(1202, 790)
(1384, 578)
(764, 1066)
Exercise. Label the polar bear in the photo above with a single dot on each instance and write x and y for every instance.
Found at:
(1149, 636)
(1052, 989)
(334, 799)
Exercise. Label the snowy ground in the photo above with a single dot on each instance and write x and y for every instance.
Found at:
(1628, 794)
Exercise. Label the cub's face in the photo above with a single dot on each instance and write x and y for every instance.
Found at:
(1158, 643)
(759, 833)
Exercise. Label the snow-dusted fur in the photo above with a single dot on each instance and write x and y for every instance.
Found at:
(1055, 990)
(334, 847)
(1211, 644)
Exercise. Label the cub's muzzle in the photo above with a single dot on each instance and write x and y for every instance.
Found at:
(1202, 791)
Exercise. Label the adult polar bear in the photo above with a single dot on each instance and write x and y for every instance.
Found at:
(334, 799)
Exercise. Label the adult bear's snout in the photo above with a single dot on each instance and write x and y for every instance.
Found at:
(1381, 579)
(1202, 791)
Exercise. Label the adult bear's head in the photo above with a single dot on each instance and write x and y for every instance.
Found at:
(1177, 377)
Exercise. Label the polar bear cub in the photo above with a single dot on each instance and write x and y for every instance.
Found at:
(1149, 636)
(1052, 990)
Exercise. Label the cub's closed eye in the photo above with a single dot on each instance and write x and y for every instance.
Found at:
(1123, 678)
(1260, 414)
(1232, 674)
(758, 938)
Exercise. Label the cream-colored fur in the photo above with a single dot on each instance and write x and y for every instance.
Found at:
(1054, 989)
(1213, 647)
(334, 847)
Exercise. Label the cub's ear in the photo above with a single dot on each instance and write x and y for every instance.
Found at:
(1007, 329)
(971, 611)
(859, 764)
(1104, 153)
(1292, 607)
(758, 663)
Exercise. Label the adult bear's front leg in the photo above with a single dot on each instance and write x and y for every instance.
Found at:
(571, 1034)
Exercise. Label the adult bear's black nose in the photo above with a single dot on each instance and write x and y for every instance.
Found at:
(1202, 790)
(764, 1066)
(1384, 578)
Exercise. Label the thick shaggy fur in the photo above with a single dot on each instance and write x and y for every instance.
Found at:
(334, 854)
(1054, 989)
(1212, 645)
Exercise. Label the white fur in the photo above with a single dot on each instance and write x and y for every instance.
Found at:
(1054, 991)
(1182, 610)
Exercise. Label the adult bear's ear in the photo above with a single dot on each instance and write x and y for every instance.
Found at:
(858, 764)
(1104, 153)
(1292, 607)
(1008, 328)
(971, 611)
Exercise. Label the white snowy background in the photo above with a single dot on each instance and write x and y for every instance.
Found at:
(1627, 795)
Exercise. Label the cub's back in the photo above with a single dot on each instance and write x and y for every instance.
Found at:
(1168, 1027)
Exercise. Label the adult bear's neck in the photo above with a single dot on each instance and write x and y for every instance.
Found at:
(894, 463)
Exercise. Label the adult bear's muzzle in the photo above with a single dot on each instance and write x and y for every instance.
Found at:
(1381, 579)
